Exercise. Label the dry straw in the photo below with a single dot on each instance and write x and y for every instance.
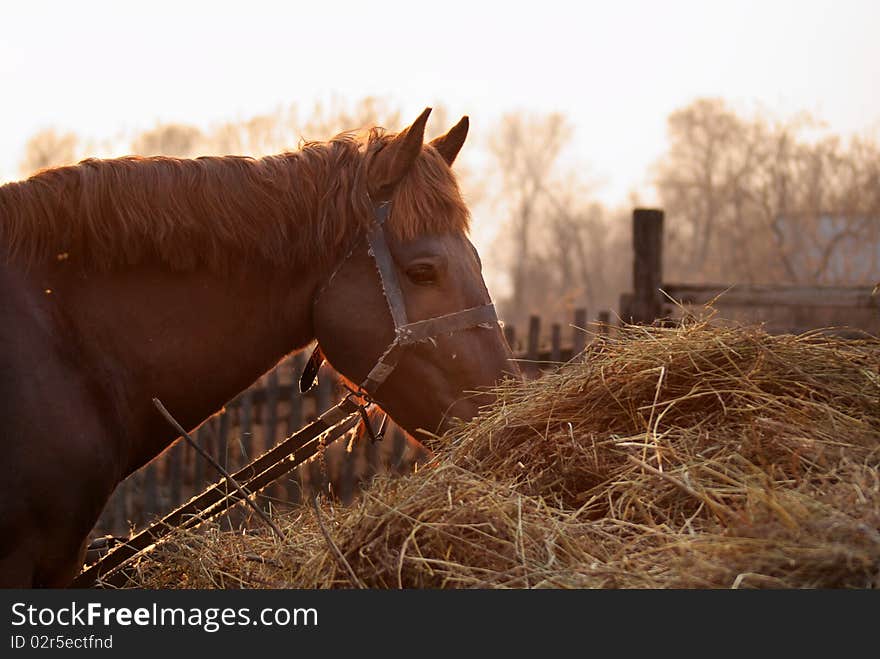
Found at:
(693, 457)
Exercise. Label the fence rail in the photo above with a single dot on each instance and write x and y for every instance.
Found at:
(540, 350)
(652, 298)
(757, 295)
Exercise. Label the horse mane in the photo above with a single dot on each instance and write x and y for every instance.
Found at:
(222, 212)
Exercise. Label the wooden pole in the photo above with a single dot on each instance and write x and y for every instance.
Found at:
(294, 413)
(222, 439)
(646, 306)
(201, 437)
(270, 427)
(175, 473)
(556, 343)
(246, 427)
(510, 336)
(604, 322)
(150, 489)
(121, 505)
(579, 332)
(531, 368)
(270, 420)
(324, 390)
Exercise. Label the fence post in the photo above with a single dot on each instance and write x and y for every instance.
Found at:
(647, 227)
(120, 503)
(294, 413)
(510, 336)
(270, 421)
(150, 490)
(604, 322)
(222, 439)
(324, 390)
(246, 425)
(200, 435)
(556, 343)
(107, 521)
(532, 345)
(174, 472)
(579, 332)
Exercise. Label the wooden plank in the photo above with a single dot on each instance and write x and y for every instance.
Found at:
(604, 322)
(201, 437)
(175, 473)
(545, 355)
(270, 419)
(510, 336)
(293, 487)
(647, 227)
(246, 425)
(150, 492)
(120, 504)
(555, 343)
(579, 333)
(531, 367)
(324, 389)
(774, 295)
(258, 395)
(348, 473)
(626, 303)
(107, 520)
(293, 396)
(222, 439)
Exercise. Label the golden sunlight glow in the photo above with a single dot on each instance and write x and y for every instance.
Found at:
(107, 71)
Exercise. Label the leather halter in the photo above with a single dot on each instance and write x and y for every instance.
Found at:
(405, 333)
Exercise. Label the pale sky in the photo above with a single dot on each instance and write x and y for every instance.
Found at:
(615, 68)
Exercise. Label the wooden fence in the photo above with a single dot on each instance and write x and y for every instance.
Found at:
(536, 350)
(785, 308)
(251, 423)
(273, 408)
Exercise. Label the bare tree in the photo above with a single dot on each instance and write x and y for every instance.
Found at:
(754, 200)
(525, 151)
(562, 249)
(48, 148)
(329, 119)
(169, 140)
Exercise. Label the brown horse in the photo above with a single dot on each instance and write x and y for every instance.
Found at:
(123, 280)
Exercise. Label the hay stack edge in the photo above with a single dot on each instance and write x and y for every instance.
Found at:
(689, 457)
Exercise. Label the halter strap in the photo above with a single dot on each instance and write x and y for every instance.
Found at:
(385, 264)
(405, 332)
(424, 330)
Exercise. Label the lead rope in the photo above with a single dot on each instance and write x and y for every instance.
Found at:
(363, 406)
(245, 493)
(274, 463)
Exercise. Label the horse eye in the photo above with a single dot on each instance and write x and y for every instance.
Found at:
(422, 273)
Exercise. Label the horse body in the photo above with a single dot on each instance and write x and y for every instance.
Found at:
(77, 383)
(55, 438)
(192, 339)
(84, 349)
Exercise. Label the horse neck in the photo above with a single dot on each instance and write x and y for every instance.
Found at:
(192, 340)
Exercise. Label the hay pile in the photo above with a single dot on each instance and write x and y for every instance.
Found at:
(694, 457)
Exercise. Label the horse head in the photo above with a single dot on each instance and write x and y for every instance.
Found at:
(406, 312)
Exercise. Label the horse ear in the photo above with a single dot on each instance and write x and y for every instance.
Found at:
(450, 144)
(394, 160)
